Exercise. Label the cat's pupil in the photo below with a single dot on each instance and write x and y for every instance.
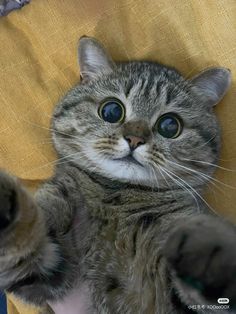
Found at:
(169, 126)
(112, 112)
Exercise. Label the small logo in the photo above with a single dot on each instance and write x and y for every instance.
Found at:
(223, 300)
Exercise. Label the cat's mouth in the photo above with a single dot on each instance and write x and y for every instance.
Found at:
(130, 159)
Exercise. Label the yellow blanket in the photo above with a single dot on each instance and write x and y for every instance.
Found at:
(38, 63)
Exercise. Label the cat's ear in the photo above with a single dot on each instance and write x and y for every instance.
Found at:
(93, 59)
(212, 84)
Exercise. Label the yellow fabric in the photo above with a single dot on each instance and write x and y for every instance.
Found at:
(14, 306)
(38, 63)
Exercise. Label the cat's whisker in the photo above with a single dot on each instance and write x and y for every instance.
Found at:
(193, 189)
(204, 144)
(157, 182)
(209, 164)
(50, 163)
(203, 180)
(207, 177)
(207, 183)
(48, 129)
(182, 186)
(48, 141)
(168, 185)
(163, 176)
(153, 174)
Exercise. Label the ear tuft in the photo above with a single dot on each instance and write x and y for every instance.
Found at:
(93, 59)
(212, 84)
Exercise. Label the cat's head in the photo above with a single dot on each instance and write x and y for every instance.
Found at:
(140, 122)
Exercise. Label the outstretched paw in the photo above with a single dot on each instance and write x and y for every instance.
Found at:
(202, 254)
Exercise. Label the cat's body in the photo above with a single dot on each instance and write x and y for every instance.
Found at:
(129, 234)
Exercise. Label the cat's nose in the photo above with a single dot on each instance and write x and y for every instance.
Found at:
(134, 141)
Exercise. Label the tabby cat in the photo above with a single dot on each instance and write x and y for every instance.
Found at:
(122, 226)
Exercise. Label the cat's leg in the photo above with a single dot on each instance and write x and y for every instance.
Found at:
(26, 251)
(34, 258)
(201, 254)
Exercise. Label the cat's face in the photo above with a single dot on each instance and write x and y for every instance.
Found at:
(140, 122)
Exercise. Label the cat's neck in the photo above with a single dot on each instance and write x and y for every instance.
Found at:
(107, 197)
(115, 185)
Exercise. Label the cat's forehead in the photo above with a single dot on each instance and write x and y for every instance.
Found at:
(151, 82)
(145, 90)
(149, 94)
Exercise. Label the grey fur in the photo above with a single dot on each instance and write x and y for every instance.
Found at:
(141, 238)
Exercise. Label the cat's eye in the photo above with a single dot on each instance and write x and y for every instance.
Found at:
(112, 111)
(169, 125)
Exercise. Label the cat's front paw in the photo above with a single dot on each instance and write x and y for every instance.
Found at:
(202, 254)
(8, 200)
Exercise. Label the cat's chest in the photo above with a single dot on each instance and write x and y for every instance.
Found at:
(117, 205)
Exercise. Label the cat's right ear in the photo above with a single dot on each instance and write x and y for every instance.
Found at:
(93, 59)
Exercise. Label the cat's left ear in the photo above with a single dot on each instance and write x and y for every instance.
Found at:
(212, 84)
(93, 59)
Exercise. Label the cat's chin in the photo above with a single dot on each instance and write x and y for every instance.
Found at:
(130, 159)
(127, 170)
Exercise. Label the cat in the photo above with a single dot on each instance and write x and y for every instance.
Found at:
(122, 226)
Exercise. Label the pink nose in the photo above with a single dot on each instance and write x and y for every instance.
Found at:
(134, 141)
